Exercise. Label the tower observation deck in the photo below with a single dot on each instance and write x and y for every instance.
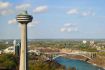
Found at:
(23, 18)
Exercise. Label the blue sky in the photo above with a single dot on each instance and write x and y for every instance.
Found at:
(54, 19)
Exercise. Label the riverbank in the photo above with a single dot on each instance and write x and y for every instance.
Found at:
(98, 61)
(95, 61)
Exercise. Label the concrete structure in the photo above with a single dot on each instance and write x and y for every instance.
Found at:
(24, 19)
(14, 43)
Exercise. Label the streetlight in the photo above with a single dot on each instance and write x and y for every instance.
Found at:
(23, 18)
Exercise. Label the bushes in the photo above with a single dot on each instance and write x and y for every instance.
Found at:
(8, 61)
(41, 65)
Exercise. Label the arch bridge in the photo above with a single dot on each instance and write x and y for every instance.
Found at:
(88, 55)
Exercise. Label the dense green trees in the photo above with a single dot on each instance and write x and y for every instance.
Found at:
(40, 65)
(3, 46)
(87, 47)
(8, 61)
(48, 65)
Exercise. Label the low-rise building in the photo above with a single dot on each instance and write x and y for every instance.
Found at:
(1, 52)
(9, 50)
(37, 52)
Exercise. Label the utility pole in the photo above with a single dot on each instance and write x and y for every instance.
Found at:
(23, 18)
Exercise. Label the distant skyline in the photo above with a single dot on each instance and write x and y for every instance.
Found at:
(54, 19)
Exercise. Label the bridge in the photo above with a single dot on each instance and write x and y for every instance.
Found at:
(88, 55)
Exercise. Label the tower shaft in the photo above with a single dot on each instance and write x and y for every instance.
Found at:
(23, 55)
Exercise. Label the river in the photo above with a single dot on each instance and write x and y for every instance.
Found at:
(80, 65)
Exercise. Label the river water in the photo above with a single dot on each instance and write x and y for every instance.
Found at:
(80, 65)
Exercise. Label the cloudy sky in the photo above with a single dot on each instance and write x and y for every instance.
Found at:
(54, 19)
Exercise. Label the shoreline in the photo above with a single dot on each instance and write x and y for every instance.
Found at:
(96, 65)
(82, 59)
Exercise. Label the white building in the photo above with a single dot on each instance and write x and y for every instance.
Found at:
(37, 52)
(14, 42)
(98, 48)
(84, 41)
(14, 45)
(92, 42)
(0, 52)
(9, 50)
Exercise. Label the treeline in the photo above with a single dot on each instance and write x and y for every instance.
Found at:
(54, 44)
(3, 45)
(75, 45)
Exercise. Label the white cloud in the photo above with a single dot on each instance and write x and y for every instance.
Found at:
(73, 29)
(69, 28)
(73, 11)
(4, 5)
(94, 32)
(84, 13)
(40, 9)
(23, 6)
(33, 23)
(12, 21)
(63, 29)
(6, 12)
(88, 13)
(69, 25)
